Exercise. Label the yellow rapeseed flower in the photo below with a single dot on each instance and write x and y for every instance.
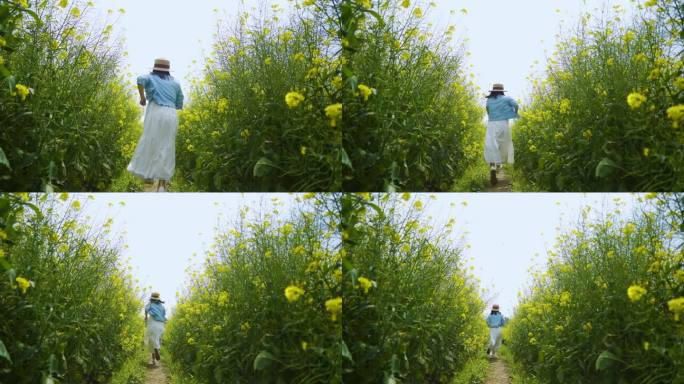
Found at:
(406, 3)
(22, 91)
(309, 2)
(293, 99)
(63, 3)
(418, 12)
(366, 91)
(636, 292)
(293, 293)
(23, 3)
(676, 306)
(334, 306)
(679, 83)
(366, 3)
(564, 299)
(3, 42)
(366, 284)
(334, 113)
(75, 12)
(676, 113)
(635, 99)
(23, 284)
(679, 275)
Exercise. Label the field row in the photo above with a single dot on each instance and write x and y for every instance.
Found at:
(285, 104)
(341, 288)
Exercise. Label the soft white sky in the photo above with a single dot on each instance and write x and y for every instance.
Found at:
(504, 231)
(505, 37)
(506, 234)
(179, 30)
(166, 233)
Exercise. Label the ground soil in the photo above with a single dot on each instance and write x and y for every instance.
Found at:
(156, 375)
(498, 372)
(504, 182)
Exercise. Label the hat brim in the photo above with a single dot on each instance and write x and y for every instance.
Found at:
(161, 69)
(497, 90)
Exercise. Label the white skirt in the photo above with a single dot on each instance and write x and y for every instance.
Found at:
(155, 155)
(155, 329)
(498, 143)
(494, 338)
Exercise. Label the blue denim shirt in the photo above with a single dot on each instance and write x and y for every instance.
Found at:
(496, 321)
(163, 92)
(502, 108)
(156, 311)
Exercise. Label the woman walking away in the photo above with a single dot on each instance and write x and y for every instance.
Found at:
(498, 140)
(495, 321)
(155, 325)
(155, 155)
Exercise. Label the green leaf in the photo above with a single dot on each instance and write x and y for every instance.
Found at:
(605, 167)
(606, 360)
(3, 352)
(345, 351)
(3, 159)
(263, 360)
(377, 16)
(263, 166)
(344, 159)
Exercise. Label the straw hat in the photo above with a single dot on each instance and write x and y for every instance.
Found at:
(495, 307)
(162, 65)
(497, 88)
(155, 297)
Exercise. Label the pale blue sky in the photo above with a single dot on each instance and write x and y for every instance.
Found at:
(167, 233)
(505, 38)
(179, 30)
(506, 234)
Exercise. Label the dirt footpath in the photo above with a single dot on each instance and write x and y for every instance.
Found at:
(498, 373)
(504, 183)
(156, 375)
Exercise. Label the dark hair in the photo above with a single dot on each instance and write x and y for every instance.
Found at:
(164, 75)
(495, 312)
(495, 94)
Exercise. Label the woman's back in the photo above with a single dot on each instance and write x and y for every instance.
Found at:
(163, 90)
(501, 108)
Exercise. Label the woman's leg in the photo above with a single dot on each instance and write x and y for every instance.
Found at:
(492, 341)
(497, 342)
(162, 186)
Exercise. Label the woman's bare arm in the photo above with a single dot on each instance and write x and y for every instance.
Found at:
(143, 102)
